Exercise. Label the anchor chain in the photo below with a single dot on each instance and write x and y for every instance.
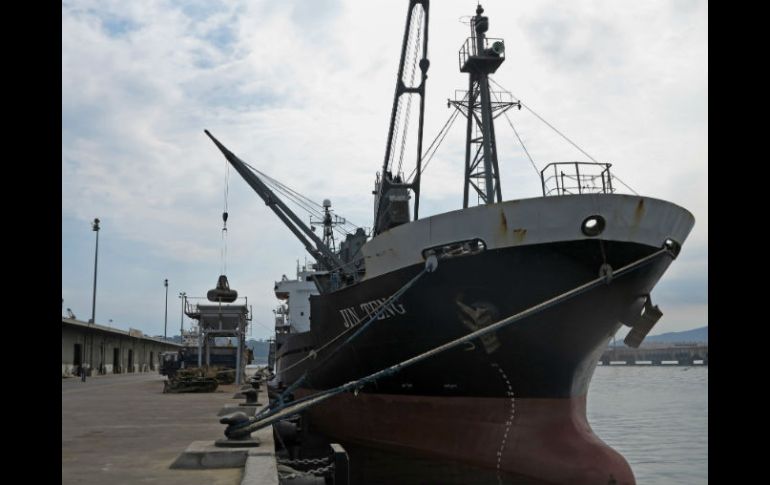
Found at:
(287, 473)
(304, 461)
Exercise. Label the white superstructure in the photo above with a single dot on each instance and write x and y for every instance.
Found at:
(294, 316)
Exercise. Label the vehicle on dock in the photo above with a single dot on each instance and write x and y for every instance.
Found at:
(192, 380)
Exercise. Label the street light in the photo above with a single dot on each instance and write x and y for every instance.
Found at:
(95, 227)
(165, 321)
(182, 296)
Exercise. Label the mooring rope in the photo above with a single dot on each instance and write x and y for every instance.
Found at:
(395, 296)
(429, 267)
(253, 424)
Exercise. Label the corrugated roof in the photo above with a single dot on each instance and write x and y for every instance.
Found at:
(104, 328)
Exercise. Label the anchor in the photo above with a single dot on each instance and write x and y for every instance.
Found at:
(643, 324)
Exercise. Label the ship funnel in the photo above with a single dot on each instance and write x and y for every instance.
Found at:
(222, 293)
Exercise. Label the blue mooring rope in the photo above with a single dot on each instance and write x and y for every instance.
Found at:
(294, 407)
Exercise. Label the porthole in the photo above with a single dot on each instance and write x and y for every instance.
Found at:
(593, 226)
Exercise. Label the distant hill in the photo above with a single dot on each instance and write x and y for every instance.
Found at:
(695, 335)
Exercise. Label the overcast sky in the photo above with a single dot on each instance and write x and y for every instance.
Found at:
(302, 90)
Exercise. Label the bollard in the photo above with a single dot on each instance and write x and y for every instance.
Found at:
(341, 465)
(255, 382)
(233, 421)
(251, 397)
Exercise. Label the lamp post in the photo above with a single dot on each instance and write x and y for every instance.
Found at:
(182, 296)
(165, 320)
(95, 228)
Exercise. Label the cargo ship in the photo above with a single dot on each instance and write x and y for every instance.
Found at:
(513, 400)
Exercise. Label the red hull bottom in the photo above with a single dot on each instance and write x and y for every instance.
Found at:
(546, 439)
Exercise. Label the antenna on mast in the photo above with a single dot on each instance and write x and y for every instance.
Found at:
(480, 56)
(328, 222)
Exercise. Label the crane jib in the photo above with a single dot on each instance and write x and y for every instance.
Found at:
(320, 252)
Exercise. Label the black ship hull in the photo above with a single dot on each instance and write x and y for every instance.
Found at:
(540, 366)
(513, 400)
(549, 355)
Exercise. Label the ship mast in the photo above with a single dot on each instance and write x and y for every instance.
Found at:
(479, 57)
(391, 204)
(328, 222)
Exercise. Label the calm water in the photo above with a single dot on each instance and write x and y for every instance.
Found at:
(657, 417)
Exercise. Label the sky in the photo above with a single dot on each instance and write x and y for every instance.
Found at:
(303, 91)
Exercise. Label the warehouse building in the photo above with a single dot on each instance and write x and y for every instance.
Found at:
(106, 350)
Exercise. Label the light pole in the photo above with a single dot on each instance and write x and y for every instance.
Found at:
(95, 227)
(165, 320)
(182, 296)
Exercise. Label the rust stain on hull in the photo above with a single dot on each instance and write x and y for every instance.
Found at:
(639, 212)
(519, 235)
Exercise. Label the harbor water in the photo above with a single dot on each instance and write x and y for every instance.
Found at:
(655, 416)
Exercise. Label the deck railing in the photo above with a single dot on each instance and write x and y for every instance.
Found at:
(492, 49)
(566, 178)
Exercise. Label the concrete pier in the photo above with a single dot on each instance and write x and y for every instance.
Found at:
(679, 354)
(122, 429)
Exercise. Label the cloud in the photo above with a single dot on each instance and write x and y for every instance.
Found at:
(303, 91)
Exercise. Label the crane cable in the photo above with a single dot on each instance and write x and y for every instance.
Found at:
(223, 253)
(301, 201)
(417, 32)
(433, 148)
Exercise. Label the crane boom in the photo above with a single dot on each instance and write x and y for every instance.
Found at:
(317, 249)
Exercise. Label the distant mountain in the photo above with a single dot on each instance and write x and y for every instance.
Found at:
(695, 335)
